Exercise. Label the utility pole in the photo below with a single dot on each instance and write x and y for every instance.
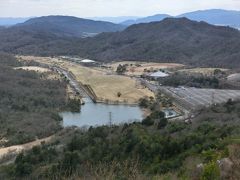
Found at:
(110, 119)
(213, 98)
(110, 130)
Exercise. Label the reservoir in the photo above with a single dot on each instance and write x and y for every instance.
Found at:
(102, 114)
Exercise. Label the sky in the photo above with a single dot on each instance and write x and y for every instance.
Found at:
(105, 8)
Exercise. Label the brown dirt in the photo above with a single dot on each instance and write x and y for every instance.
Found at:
(34, 68)
(135, 70)
(20, 148)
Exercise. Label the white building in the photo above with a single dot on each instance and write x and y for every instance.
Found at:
(87, 61)
(158, 75)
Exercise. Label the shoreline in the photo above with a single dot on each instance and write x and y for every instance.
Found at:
(116, 103)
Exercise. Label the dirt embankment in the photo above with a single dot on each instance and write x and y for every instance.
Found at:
(34, 68)
(16, 149)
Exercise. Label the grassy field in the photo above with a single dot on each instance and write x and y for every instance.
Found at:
(104, 85)
(139, 68)
(108, 86)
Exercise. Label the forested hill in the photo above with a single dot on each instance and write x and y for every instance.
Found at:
(215, 16)
(51, 34)
(212, 16)
(68, 26)
(154, 18)
(171, 40)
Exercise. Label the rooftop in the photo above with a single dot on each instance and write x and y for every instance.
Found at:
(87, 61)
(159, 74)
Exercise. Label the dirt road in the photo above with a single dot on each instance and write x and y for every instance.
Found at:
(23, 147)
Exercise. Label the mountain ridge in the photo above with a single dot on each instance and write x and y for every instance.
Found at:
(216, 16)
(212, 16)
(68, 26)
(157, 17)
(177, 40)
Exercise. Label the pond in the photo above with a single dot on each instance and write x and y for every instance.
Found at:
(170, 113)
(102, 114)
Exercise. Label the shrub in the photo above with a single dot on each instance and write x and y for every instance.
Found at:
(211, 171)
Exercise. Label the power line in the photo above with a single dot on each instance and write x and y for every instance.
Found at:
(110, 119)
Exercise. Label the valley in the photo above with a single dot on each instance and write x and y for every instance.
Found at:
(105, 83)
(102, 83)
(143, 99)
(172, 40)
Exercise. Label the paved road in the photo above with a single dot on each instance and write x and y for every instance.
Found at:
(196, 97)
(152, 87)
(72, 81)
(155, 88)
(193, 98)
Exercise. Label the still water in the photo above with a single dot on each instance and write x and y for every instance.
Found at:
(102, 114)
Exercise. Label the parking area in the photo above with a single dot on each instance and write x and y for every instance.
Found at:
(194, 97)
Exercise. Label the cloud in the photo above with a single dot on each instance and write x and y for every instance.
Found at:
(87, 8)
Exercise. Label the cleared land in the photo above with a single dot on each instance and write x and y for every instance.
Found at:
(105, 85)
(34, 68)
(23, 147)
(204, 71)
(139, 68)
(194, 97)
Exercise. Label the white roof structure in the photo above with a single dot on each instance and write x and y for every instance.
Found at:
(158, 74)
(87, 61)
(234, 77)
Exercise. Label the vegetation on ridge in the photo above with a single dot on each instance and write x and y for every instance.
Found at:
(171, 40)
(135, 150)
(29, 103)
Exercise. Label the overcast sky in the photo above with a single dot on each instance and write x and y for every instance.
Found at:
(93, 8)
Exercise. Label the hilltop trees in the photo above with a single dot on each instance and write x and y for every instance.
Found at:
(156, 151)
(121, 69)
(29, 103)
(74, 105)
(185, 79)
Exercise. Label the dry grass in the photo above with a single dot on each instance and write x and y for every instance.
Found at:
(204, 71)
(139, 70)
(53, 76)
(104, 85)
(107, 86)
(34, 68)
(71, 93)
(48, 73)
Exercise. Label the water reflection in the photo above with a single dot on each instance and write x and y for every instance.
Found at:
(101, 114)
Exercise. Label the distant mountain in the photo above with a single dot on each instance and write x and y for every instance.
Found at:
(158, 17)
(216, 16)
(177, 40)
(68, 26)
(171, 40)
(116, 20)
(12, 21)
(212, 16)
(51, 34)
